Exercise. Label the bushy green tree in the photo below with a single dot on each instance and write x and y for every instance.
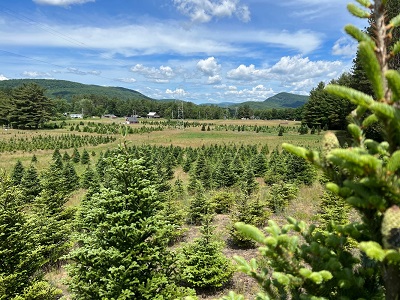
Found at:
(85, 157)
(17, 173)
(70, 177)
(365, 175)
(30, 183)
(76, 157)
(202, 263)
(200, 205)
(89, 178)
(249, 210)
(30, 108)
(279, 196)
(122, 242)
(22, 251)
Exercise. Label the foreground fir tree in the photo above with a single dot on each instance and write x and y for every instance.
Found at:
(22, 253)
(323, 265)
(122, 241)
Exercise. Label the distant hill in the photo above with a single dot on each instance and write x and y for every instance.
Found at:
(285, 100)
(281, 100)
(66, 89)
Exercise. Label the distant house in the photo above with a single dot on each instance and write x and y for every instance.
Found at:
(76, 116)
(152, 114)
(132, 119)
(110, 116)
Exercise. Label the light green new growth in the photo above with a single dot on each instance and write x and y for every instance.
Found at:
(325, 262)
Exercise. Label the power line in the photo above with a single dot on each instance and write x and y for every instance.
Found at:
(49, 63)
(52, 31)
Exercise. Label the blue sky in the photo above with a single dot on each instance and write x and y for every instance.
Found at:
(204, 51)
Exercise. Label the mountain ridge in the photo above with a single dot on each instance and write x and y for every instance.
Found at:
(57, 88)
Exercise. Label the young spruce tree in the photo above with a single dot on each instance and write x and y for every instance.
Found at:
(122, 242)
(323, 265)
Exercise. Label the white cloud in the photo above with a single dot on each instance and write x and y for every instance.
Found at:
(345, 47)
(209, 66)
(35, 74)
(257, 93)
(127, 80)
(214, 79)
(243, 72)
(295, 72)
(2, 77)
(156, 38)
(298, 67)
(203, 11)
(62, 2)
(177, 92)
(79, 72)
(161, 75)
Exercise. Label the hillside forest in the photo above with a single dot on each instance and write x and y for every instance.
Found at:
(218, 205)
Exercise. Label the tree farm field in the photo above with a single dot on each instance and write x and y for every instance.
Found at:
(190, 136)
(97, 136)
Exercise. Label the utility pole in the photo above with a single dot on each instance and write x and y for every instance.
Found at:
(181, 120)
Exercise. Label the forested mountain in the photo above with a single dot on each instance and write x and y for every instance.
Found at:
(67, 89)
(93, 100)
(280, 100)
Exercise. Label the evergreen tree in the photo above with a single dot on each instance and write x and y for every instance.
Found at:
(21, 252)
(259, 165)
(30, 107)
(70, 177)
(365, 175)
(56, 155)
(66, 156)
(202, 263)
(89, 178)
(76, 157)
(34, 159)
(5, 108)
(248, 183)
(123, 240)
(30, 183)
(85, 158)
(18, 173)
(281, 131)
(250, 211)
(200, 205)
(224, 176)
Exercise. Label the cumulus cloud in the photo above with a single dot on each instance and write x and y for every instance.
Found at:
(249, 73)
(214, 79)
(2, 77)
(62, 2)
(210, 68)
(344, 47)
(288, 67)
(203, 11)
(176, 93)
(161, 75)
(298, 73)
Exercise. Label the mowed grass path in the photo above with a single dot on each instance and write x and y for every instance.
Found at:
(189, 137)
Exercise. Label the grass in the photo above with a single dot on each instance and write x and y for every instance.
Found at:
(304, 207)
(189, 137)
